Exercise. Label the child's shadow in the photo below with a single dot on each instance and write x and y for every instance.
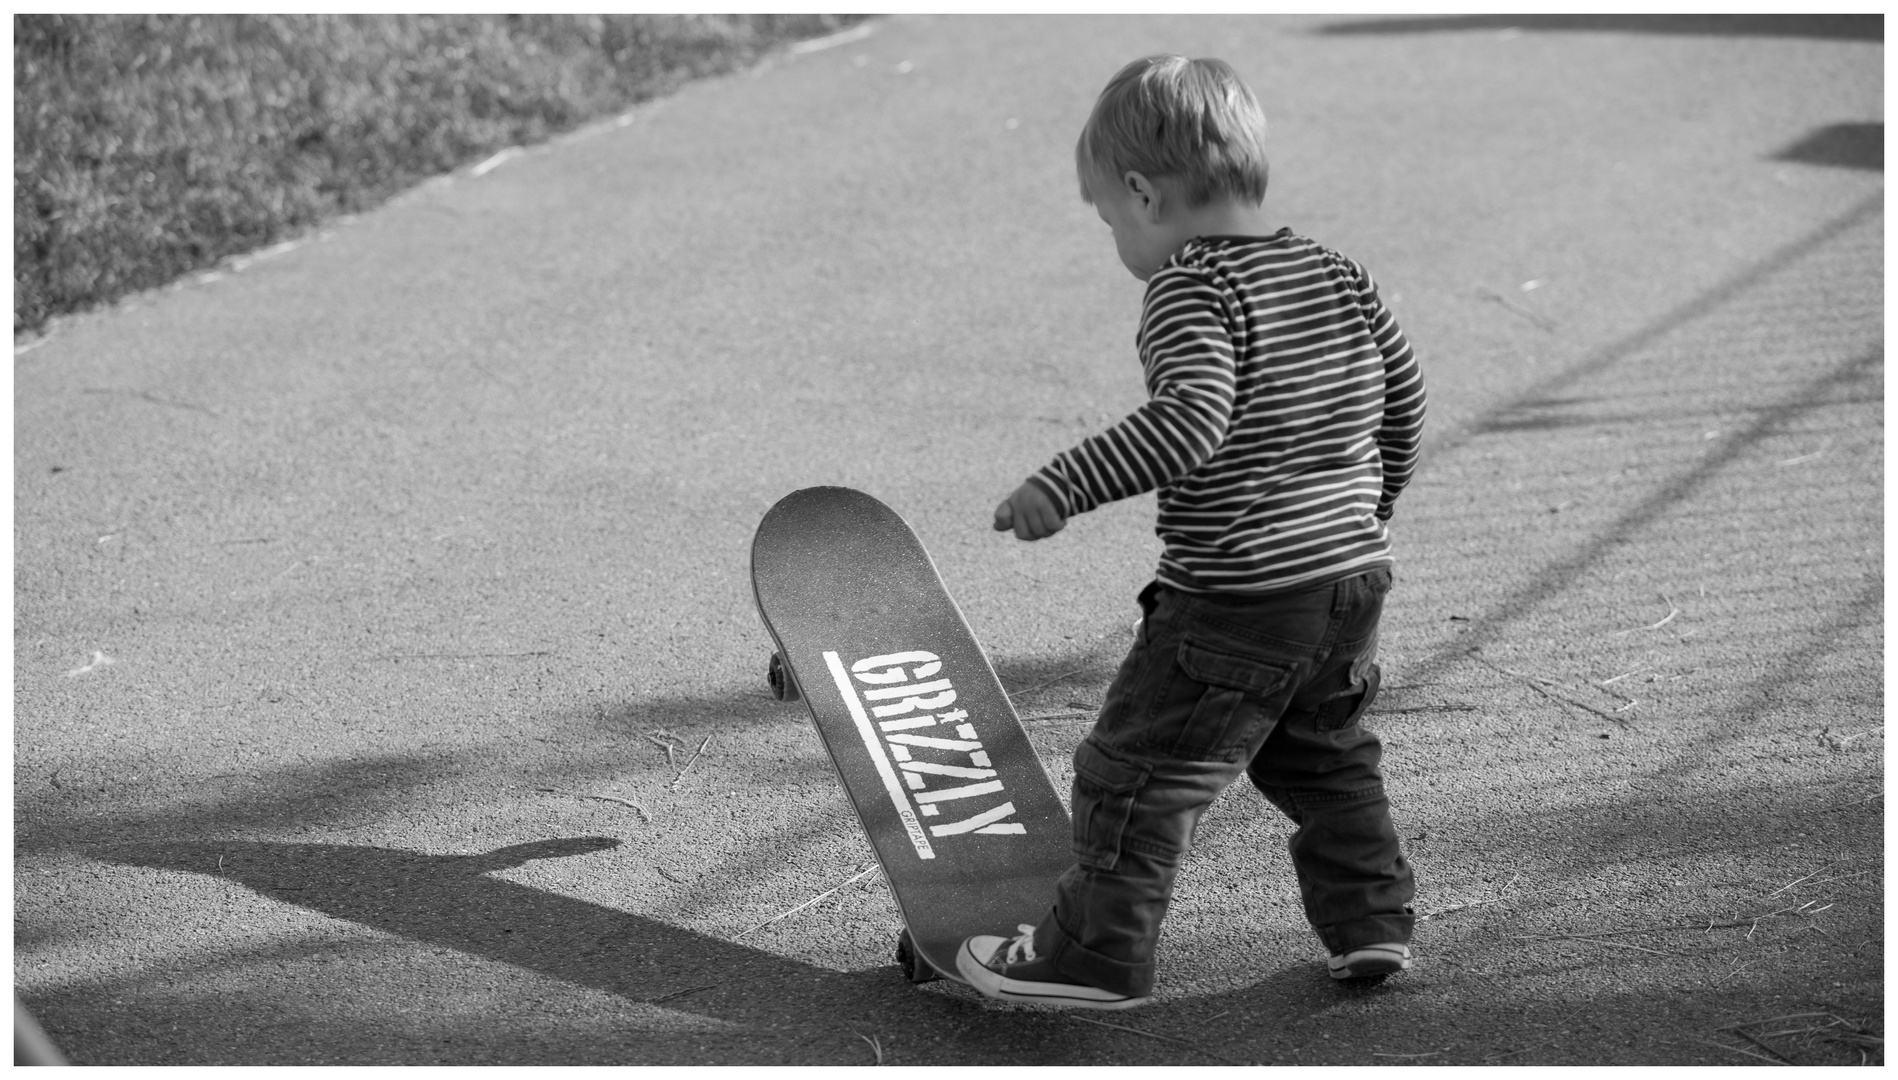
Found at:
(450, 901)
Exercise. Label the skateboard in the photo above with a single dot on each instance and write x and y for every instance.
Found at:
(957, 806)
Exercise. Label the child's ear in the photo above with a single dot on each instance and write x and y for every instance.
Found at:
(1147, 197)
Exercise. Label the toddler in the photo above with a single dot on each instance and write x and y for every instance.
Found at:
(1283, 420)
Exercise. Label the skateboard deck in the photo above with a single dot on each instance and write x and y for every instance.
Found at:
(957, 806)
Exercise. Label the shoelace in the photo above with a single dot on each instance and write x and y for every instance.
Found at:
(1021, 947)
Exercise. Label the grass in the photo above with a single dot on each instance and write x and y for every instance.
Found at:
(149, 146)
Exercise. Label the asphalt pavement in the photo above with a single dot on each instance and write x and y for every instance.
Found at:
(388, 688)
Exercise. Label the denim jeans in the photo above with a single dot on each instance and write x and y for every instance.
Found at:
(1214, 686)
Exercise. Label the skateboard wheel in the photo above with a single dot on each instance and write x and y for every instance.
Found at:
(915, 968)
(783, 687)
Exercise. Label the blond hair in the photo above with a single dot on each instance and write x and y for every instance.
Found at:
(1191, 121)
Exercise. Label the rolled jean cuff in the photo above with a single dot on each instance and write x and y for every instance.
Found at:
(1395, 928)
(1076, 961)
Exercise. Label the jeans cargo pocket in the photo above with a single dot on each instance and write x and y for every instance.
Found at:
(1231, 708)
(1105, 787)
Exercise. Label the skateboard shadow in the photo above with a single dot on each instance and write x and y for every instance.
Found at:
(455, 902)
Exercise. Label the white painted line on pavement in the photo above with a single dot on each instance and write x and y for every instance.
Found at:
(843, 37)
(494, 162)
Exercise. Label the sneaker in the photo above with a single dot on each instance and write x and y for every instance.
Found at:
(1007, 969)
(1370, 961)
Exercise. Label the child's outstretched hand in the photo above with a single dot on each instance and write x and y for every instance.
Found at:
(1030, 513)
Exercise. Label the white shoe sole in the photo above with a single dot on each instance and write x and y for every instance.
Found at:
(1370, 962)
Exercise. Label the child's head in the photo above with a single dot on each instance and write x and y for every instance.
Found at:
(1192, 123)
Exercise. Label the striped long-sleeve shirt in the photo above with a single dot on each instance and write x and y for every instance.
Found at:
(1284, 414)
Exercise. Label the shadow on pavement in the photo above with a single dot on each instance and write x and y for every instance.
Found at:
(362, 788)
(1824, 389)
(1556, 390)
(1397, 1024)
(1844, 146)
(1827, 27)
(1553, 404)
(454, 902)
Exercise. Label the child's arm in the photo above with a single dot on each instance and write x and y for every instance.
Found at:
(1401, 433)
(1188, 355)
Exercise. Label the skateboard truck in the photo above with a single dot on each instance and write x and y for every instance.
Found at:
(915, 968)
(783, 686)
